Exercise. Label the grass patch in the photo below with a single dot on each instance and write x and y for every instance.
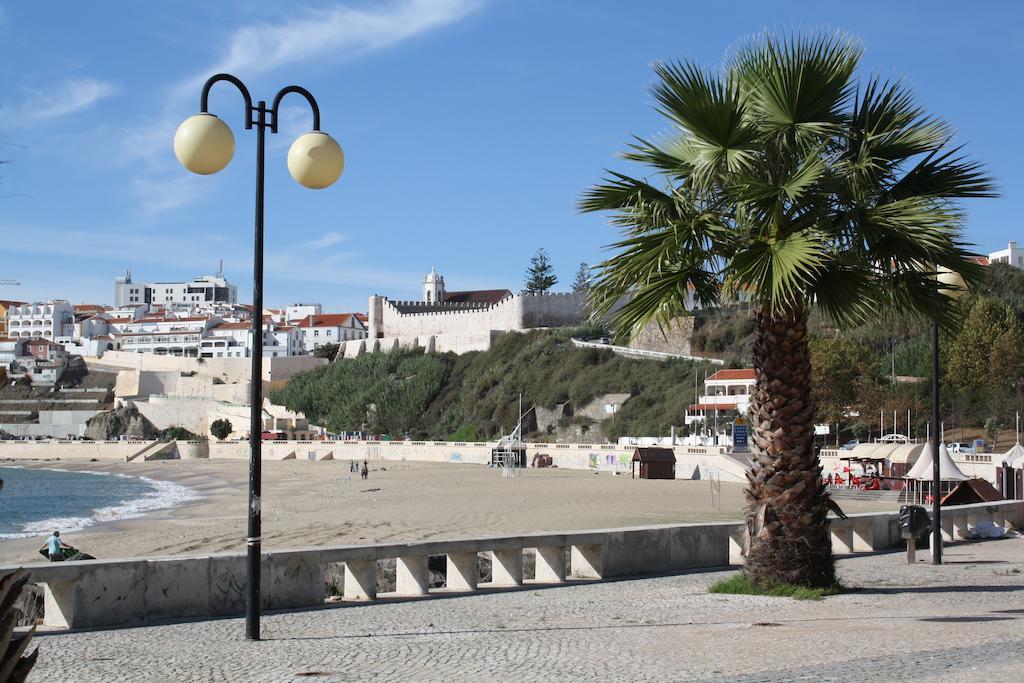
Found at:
(740, 584)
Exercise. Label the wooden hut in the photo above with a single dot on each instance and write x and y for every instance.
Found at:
(655, 463)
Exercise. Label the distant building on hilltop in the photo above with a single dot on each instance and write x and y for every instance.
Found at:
(726, 396)
(205, 290)
(461, 321)
(1012, 255)
(5, 306)
(48, 319)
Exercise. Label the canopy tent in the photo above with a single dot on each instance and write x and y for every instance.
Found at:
(1014, 457)
(863, 451)
(906, 453)
(921, 472)
(922, 469)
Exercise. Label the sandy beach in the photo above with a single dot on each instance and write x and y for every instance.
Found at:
(320, 503)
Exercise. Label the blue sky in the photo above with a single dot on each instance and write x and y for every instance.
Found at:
(470, 128)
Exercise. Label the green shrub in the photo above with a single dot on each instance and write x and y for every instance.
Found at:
(740, 584)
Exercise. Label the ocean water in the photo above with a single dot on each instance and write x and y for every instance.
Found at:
(34, 502)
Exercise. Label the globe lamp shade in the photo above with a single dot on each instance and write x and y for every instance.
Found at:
(204, 144)
(315, 160)
(951, 283)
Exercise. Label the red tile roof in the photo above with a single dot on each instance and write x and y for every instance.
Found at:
(745, 373)
(171, 320)
(477, 296)
(712, 406)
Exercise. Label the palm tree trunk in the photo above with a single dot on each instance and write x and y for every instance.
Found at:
(787, 536)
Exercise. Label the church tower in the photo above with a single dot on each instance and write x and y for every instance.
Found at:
(433, 287)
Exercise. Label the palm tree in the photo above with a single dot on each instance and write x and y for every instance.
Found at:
(787, 181)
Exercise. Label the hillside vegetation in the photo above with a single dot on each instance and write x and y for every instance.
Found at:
(475, 395)
(857, 374)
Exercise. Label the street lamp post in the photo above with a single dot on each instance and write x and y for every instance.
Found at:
(204, 145)
(952, 285)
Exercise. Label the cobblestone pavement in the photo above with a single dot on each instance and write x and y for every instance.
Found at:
(962, 621)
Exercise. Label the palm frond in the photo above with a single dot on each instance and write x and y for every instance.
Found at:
(945, 176)
(890, 126)
(799, 85)
(709, 114)
(621, 192)
(777, 273)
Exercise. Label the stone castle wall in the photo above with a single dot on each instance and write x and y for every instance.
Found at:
(514, 313)
(672, 338)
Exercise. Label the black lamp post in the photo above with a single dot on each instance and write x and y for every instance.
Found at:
(204, 144)
(952, 285)
(936, 432)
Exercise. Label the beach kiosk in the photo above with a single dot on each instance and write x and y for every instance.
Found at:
(655, 463)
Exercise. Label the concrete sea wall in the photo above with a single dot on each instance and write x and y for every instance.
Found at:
(139, 590)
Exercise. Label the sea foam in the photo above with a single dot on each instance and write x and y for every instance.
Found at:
(165, 494)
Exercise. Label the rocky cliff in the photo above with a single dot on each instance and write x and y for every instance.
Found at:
(125, 421)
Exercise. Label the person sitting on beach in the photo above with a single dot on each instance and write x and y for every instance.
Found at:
(55, 544)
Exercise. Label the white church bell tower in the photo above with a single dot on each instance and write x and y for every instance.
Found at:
(433, 287)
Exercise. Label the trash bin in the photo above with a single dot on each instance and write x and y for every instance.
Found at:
(914, 521)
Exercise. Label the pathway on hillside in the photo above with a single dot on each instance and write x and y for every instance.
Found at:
(961, 621)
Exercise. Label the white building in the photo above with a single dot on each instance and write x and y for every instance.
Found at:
(726, 396)
(205, 290)
(234, 340)
(332, 328)
(1012, 255)
(49, 320)
(165, 336)
(9, 350)
(297, 312)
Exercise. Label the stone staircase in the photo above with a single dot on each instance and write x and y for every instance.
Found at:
(860, 494)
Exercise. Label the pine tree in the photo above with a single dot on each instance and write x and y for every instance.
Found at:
(582, 281)
(540, 276)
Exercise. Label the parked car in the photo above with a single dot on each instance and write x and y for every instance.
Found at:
(849, 445)
(959, 447)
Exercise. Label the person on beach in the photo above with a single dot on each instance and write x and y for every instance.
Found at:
(365, 473)
(55, 544)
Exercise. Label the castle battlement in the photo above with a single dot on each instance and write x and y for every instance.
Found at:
(477, 313)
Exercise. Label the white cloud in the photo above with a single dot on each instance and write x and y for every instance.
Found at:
(65, 98)
(159, 195)
(326, 240)
(340, 32)
(337, 33)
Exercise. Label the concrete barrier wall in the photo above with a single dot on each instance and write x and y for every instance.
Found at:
(133, 590)
(102, 450)
(227, 369)
(692, 462)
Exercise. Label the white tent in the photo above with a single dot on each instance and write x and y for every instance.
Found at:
(922, 469)
(1014, 457)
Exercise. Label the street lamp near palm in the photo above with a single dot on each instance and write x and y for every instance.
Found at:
(204, 144)
(952, 285)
